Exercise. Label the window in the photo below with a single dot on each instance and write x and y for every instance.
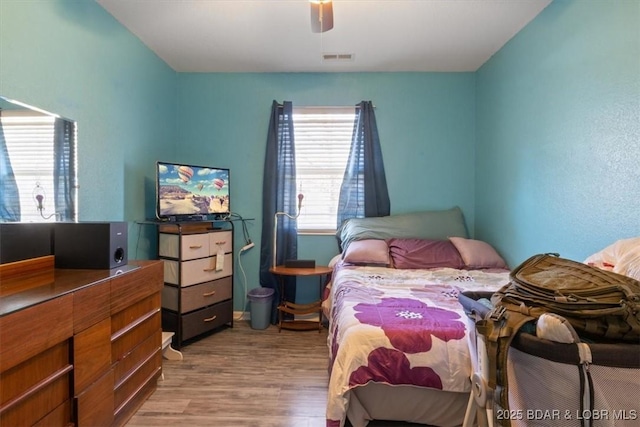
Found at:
(323, 140)
(29, 138)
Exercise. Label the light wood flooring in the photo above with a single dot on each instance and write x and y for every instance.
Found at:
(244, 377)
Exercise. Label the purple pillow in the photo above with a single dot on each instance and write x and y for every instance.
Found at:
(424, 253)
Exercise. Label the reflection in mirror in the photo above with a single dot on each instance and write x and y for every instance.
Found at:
(38, 173)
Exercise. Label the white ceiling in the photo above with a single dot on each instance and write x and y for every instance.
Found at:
(275, 35)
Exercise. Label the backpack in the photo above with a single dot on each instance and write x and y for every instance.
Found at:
(600, 305)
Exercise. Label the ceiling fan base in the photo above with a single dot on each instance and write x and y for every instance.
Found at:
(321, 17)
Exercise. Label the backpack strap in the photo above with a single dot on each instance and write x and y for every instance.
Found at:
(499, 327)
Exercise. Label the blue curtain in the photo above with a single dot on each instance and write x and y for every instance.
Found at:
(64, 174)
(9, 195)
(363, 192)
(279, 195)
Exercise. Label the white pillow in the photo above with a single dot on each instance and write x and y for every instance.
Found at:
(629, 263)
(609, 257)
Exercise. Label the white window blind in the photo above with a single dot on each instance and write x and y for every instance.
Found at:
(29, 139)
(323, 139)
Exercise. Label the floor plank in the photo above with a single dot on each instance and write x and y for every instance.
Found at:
(241, 377)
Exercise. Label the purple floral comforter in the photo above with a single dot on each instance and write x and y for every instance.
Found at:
(397, 327)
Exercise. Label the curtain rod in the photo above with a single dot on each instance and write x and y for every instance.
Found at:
(324, 106)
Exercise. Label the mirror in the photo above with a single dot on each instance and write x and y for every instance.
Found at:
(38, 170)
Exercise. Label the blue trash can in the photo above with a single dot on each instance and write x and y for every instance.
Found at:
(261, 301)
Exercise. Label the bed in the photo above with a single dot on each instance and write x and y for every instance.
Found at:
(398, 337)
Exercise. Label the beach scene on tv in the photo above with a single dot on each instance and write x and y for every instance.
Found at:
(192, 190)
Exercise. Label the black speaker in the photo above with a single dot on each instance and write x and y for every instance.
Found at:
(300, 263)
(24, 240)
(91, 245)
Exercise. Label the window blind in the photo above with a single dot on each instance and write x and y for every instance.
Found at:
(322, 144)
(29, 139)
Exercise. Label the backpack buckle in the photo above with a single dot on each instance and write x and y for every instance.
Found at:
(497, 313)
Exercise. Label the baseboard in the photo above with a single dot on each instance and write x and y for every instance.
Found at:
(239, 315)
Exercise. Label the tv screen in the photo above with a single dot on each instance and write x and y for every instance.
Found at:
(191, 192)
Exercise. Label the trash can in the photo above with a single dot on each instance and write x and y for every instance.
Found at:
(261, 301)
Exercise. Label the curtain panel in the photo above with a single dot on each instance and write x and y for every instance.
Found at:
(364, 192)
(279, 195)
(9, 195)
(64, 173)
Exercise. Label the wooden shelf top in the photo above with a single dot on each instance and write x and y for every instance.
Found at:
(318, 270)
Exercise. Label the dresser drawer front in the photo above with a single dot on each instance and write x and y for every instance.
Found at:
(14, 348)
(128, 288)
(198, 296)
(206, 319)
(220, 240)
(195, 246)
(198, 270)
(35, 387)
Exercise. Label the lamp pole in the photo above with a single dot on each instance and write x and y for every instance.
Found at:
(275, 225)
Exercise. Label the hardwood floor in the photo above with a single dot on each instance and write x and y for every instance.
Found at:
(245, 377)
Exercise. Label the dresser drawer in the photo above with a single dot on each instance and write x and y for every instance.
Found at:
(193, 246)
(206, 319)
(145, 372)
(131, 287)
(197, 296)
(220, 240)
(14, 348)
(196, 271)
(32, 389)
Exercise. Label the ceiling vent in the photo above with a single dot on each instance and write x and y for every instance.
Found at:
(338, 57)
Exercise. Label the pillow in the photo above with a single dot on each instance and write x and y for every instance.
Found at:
(477, 254)
(609, 257)
(419, 225)
(629, 263)
(367, 252)
(424, 253)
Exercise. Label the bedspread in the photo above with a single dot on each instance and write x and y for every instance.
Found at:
(397, 327)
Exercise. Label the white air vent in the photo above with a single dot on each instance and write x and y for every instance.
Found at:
(341, 57)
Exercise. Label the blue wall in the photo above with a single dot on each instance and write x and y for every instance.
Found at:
(539, 147)
(425, 121)
(74, 59)
(558, 133)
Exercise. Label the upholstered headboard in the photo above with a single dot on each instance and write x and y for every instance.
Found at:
(425, 225)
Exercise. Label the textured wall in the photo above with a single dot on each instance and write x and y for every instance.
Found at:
(558, 133)
(74, 59)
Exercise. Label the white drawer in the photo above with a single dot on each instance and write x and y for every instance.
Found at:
(196, 271)
(193, 246)
(220, 240)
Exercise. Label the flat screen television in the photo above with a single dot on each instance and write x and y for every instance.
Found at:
(189, 192)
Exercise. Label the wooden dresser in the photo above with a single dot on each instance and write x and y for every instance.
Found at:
(78, 347)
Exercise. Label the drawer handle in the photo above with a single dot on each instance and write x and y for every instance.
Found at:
(209, 294)
(221, 243)
(195, 247)
(210, 319)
